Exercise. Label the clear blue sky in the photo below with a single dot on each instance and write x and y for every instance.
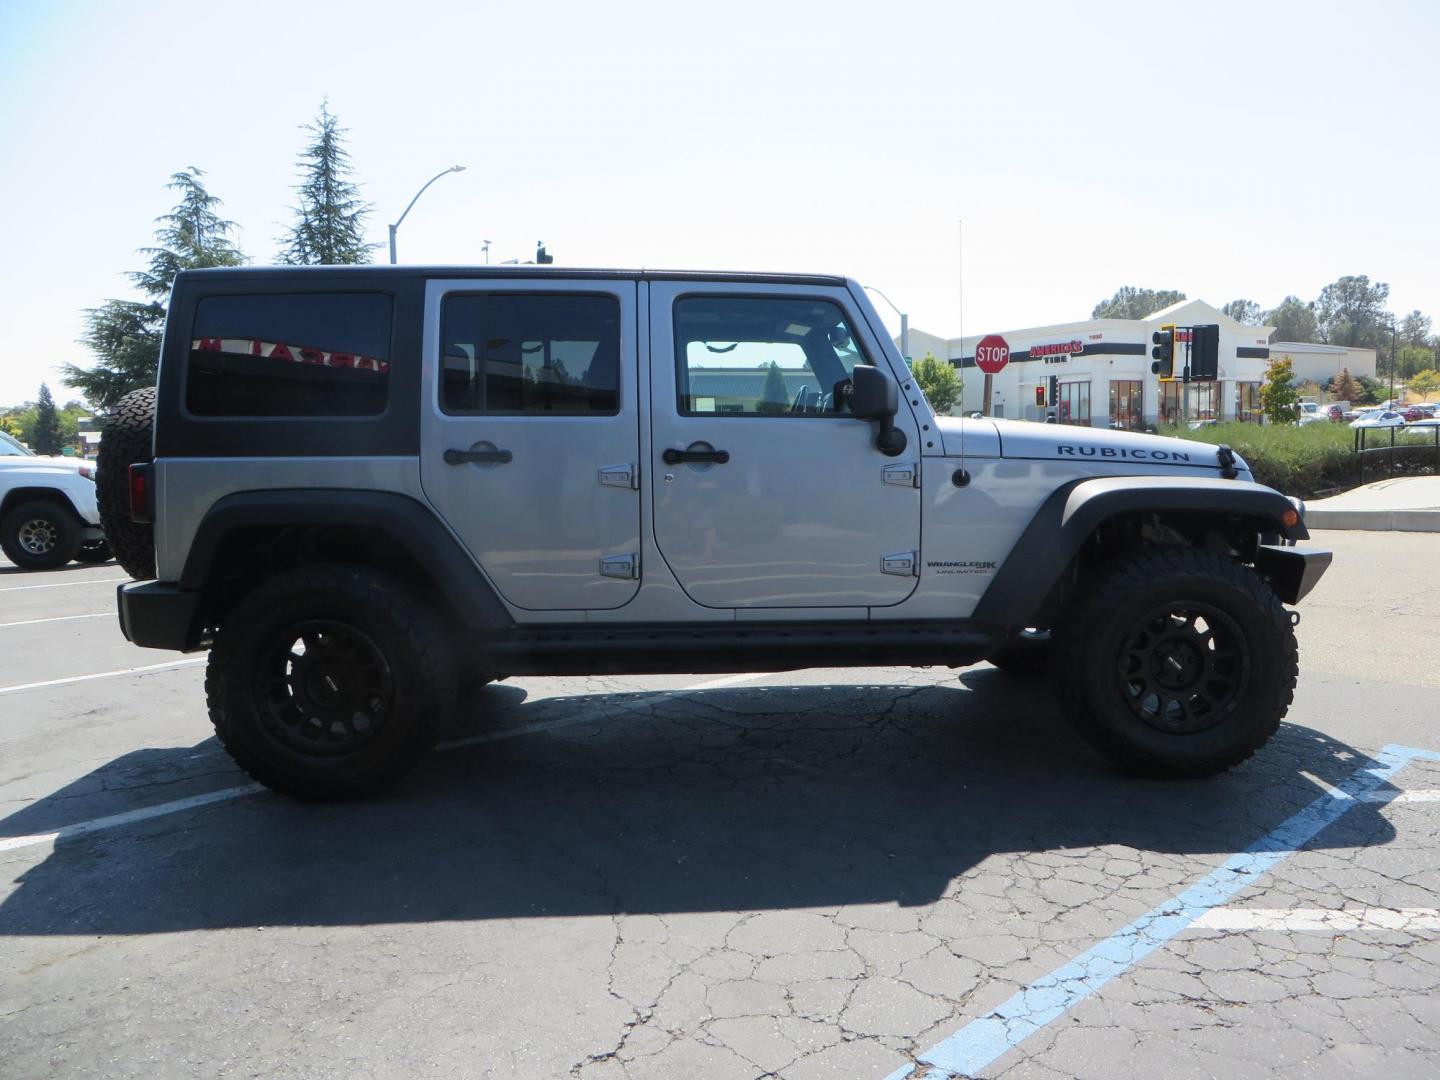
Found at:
(1227, 150)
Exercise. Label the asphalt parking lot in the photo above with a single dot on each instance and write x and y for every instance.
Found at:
(873, 873)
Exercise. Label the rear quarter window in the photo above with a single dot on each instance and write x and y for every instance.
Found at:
(289, 354)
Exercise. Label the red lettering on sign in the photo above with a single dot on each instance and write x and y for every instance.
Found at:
(281, 352)
(209, 344)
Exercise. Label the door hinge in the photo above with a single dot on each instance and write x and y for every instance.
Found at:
(620, 476)
(902, 474)
(901, 564)
(626, 567)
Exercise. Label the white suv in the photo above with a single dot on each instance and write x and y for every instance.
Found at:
(47, 509)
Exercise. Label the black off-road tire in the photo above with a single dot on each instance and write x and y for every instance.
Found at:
(94, 551)
(278, 730)
(127, 439)
(42, 534)
(1126, 640)
(1026, 655)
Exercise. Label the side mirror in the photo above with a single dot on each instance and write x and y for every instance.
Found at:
(874, 396)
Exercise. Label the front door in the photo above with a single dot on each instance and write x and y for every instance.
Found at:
(796, 507)
(531, 435)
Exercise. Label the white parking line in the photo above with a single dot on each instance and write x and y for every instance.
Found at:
(101, 675)
(33, 839)
(65, 584)
(57, 618)
(12, 842)
(1327, 919)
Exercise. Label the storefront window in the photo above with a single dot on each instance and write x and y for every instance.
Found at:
(1204, 402)
(1170, 402)
(1127, 404)
(1074, 403)
(1247, 402)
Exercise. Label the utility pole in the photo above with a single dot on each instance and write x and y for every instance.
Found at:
(396, 227)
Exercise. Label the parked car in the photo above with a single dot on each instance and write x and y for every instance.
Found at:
(48, 514)
(1378, 418)
(1310, 413)
(1423, 411)
(1335, 413)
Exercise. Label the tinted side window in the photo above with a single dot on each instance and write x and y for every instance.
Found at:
(290, 354)
(523, 352)
(765, 356)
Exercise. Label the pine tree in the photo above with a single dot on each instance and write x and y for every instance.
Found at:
(1278, 398)
(125, 334)
(46, 440)
(330, 220)
(774, 397)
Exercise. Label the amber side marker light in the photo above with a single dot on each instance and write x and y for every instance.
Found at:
(1291, 518)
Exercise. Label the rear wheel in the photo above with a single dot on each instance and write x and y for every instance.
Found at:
(93, 551)
(127, 440)
(1177, 662)
(329, 682)
(40, 535)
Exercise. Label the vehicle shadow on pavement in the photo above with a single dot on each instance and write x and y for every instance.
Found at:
(743, 798)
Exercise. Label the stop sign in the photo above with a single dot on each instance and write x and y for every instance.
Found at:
(992, 354)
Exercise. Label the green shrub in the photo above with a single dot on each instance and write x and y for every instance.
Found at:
(1295, 459)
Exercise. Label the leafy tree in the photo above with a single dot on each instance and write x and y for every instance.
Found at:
(1130, 302)
(774, 398)
(1244, 311)
(1372, 391)
(1344, 387)
(1412, 359)
(330, 220)
(1293, 319)
(124, 335)
(46, 437)
(939, 380)
(1415, 329)
(1278, 399)
(1426, 383)
(1351, 312)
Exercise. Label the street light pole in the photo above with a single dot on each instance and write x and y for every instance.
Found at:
(396, 226)
(904, 322)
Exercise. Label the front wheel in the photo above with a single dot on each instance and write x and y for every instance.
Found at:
(329, 682)
(1177, 662)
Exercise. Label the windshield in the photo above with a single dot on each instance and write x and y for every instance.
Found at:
(9, 447)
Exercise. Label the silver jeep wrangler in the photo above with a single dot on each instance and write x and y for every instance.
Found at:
(353, 484)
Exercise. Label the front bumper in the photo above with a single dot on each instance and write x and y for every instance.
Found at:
(1292, 571)
(159, 616)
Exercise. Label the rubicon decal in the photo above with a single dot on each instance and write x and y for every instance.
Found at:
(955, 567)
(1125, 452)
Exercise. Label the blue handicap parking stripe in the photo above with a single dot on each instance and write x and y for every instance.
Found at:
(980, 1042)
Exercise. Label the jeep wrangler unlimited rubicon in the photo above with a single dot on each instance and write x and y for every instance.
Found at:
(352, 484)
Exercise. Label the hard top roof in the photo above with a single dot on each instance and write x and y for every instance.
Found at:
(383, 270)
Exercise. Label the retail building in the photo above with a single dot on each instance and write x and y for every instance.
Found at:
(1101, 369)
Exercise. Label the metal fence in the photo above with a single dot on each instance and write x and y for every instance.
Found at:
(1407, 453)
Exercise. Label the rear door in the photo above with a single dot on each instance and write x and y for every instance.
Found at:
(530, 440)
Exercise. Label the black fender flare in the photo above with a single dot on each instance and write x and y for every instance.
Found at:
(1075, 510)
(405, 521)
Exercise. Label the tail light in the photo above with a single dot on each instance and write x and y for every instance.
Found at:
(141, 503)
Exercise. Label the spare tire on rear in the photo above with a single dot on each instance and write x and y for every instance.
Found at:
(127, 439)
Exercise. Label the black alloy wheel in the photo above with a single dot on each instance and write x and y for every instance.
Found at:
(326, 688)
(1182, 666)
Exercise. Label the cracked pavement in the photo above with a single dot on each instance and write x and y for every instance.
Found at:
(817, 874)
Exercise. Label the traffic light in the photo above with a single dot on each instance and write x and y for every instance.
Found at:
(1205, 352)
(1163, 352)
(1054, 381)
(542, 257)
(1040, 396)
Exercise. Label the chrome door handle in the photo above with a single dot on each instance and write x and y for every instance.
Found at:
(462, 457)
(713, 457)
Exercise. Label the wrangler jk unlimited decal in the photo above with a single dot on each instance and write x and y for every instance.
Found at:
(1121, 452)
(951, 567)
